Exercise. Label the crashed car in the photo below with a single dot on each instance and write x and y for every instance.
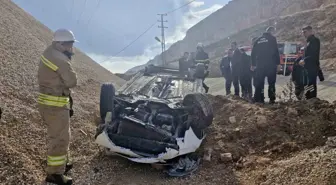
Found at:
(159, 116)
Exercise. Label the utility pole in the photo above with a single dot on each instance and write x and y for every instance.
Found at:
(163, 41)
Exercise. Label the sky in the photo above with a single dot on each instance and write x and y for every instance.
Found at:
(105, 27)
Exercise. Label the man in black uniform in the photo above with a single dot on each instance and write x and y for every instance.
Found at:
(266, 60)
(245, 75)
(253, 70)
(184, 64)
(226, 70)
(311, 61)
(203, 57)
(236, 66)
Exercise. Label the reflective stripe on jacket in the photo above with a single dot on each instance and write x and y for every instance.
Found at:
(56, 101)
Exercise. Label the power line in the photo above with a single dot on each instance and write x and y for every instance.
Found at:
(94, 12)
(133, 41)
(169, 12)
(80, 15)
(180, 7)
(72, 7)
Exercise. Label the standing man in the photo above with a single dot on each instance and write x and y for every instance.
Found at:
(225, 67)
(55, 78)
(203, 58)
(253, 70)
(184, 64)
(311, 61)
(236, 67)
(245, 75)
(266, 60)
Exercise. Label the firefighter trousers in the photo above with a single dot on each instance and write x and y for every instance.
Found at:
(57, 120)
(261, 74)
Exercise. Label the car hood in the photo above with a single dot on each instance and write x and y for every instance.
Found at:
(190, 143)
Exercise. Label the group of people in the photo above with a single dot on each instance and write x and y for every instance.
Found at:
(199, 62)
(239, 69)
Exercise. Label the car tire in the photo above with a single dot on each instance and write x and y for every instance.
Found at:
(200, 112)
(107, 94)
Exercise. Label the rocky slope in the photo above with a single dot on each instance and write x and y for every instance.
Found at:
(237, 16)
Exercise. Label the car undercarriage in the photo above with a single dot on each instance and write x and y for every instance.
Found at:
(157, 117)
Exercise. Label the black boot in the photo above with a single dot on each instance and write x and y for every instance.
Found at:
(272, 101)
(68, 167)
(206, 89)
(59, 179)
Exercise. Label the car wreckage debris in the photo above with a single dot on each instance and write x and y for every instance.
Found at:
(185, 166)
(158, 117)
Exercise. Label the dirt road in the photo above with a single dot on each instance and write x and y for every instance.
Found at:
(326, 89)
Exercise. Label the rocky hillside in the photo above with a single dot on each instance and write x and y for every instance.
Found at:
(288, 29)
(237, 16)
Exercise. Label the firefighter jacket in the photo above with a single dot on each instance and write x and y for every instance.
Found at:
(202, 57)
(312, 55)
(265, 53)
(55, 78)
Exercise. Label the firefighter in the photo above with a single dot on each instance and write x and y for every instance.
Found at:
(266, 61)
(184, 64)
(245, 75)
(311, 62)
(55, 78)
(203, 58)
(236, 61)
(225, 67)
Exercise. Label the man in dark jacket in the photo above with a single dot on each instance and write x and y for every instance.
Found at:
(299, 77)
(203, 58)
(311, 61)
(253, 71)
(225, 67)
(245, 75)
(184, 64)
(266, 60)
(236, 66)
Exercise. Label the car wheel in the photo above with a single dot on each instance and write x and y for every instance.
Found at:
(107, 94)
(200, 112)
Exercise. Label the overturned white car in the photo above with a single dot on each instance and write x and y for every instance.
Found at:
(157, 117)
